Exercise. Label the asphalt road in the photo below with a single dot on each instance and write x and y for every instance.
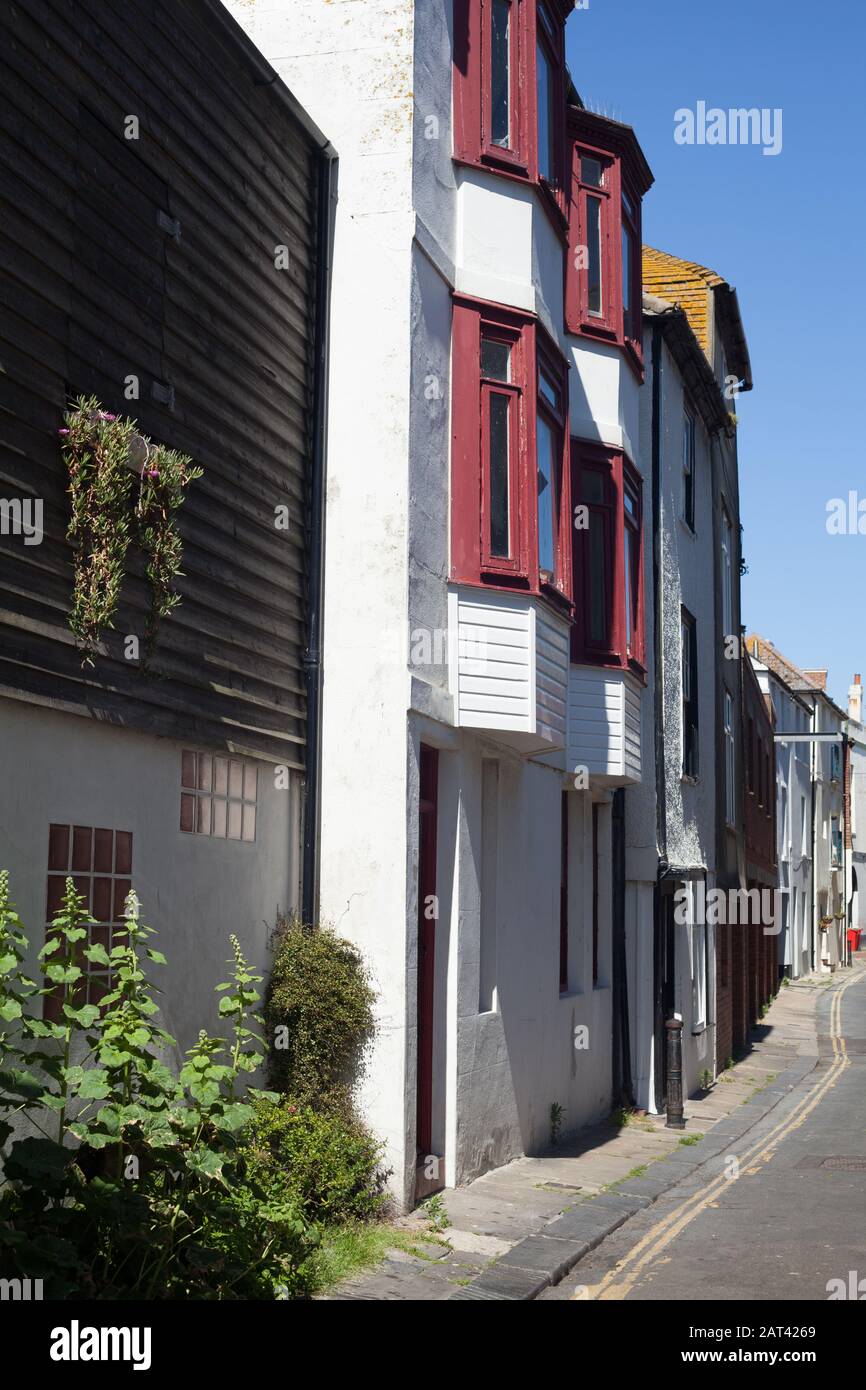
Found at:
(779, 1217)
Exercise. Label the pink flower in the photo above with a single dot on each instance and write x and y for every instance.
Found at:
(153, 472)
(63, 431)
(103, 415)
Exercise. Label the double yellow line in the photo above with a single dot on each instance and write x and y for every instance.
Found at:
(619, 1282)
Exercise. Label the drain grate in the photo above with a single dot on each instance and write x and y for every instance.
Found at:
(840, 1163)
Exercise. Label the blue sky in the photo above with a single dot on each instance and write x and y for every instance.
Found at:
(787, 232)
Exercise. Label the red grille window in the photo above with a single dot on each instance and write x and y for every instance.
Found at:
(99, 862)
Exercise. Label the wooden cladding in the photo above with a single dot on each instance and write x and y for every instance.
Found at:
(157, 258)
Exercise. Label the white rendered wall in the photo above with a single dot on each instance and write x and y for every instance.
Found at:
(195, 890)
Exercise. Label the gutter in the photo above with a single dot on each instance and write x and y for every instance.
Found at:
(327, 204)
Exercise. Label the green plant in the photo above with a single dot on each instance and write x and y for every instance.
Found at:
(706, 1079)
(729, 1062)
(786, 983)
(688, 1139)
(100, 451)
(318, 1014)
(556, 1114)
(324, 1163)
(434, 1210)
(135, 1183)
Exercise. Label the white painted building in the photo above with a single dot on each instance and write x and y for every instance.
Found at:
(481, 706)
(793, 810)
(856, 882)
(823, 945)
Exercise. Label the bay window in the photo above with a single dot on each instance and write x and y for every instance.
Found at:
(607, 559)
(510, 487)
(609, 175)
(509, 89)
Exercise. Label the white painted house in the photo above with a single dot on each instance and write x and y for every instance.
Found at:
(793, 809)
(856, 883)
(484, 642)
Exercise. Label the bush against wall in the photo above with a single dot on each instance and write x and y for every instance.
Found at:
(318, 1015)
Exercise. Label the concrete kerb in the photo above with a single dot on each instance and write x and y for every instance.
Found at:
(547, 1256)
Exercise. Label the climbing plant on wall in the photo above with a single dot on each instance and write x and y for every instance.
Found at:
(124, 490)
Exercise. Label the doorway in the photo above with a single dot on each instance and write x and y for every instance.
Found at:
(429, 1176)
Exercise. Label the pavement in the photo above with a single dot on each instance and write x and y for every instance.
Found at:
(558, 1225)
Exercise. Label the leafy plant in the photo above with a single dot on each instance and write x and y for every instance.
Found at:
(556, 1114)
(136, 1183)
(322, 1161)
(101, 450)
(435, 1212)
(706, 1079)
(318, 1014)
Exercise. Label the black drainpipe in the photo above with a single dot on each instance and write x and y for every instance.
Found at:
(327, 199)
(658, 695)
(623, 1093)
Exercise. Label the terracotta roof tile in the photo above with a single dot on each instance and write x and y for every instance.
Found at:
(684, 283)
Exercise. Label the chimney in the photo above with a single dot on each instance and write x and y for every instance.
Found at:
(818, 678)
(855, 700)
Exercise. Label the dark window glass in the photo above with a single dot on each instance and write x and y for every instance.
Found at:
(495, 360)
(546, 164)
(500, 74)
(591, 171)
(597, 579)
(546, 495)
(627, 284)
(593, 255)
(500, 539)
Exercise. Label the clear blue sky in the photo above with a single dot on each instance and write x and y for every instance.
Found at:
(788, 233)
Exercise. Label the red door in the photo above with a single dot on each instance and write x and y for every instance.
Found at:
(428, 1176)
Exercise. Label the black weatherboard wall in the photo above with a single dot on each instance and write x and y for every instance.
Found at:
(155, 257)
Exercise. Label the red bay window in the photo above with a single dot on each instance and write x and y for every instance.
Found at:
(510, 480)
(609, 176)
(607, 543)
(509, 89)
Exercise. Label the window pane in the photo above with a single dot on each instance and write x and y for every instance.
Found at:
(591, 486)
(500, 74)
(545, 114)
(627, 204)
(627, 278)
(629, 584)
(597, 580)
(495, 360)
(500, 538)
(591, 171)
(548, 389)
(546, 496)
(593, 249)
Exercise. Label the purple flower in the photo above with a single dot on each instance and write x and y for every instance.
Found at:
(153, 472)
(103, 415)
(63, 431)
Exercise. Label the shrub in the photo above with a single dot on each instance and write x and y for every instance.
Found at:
(321, 1163)
(318, 1015)
(140, 1189)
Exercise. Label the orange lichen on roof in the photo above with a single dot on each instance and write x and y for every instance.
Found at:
(684, 283)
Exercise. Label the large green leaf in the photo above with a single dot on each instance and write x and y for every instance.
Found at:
(95, 1085)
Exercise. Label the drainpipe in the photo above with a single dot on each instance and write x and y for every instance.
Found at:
(623, 1093)
(659, 1038)
(327, 202)
(813, 770)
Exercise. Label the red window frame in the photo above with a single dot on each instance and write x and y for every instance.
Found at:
(473, 89)
(472, 561)
(623, 188)
(608, 512)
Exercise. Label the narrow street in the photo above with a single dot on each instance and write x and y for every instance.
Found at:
(778, 1217)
